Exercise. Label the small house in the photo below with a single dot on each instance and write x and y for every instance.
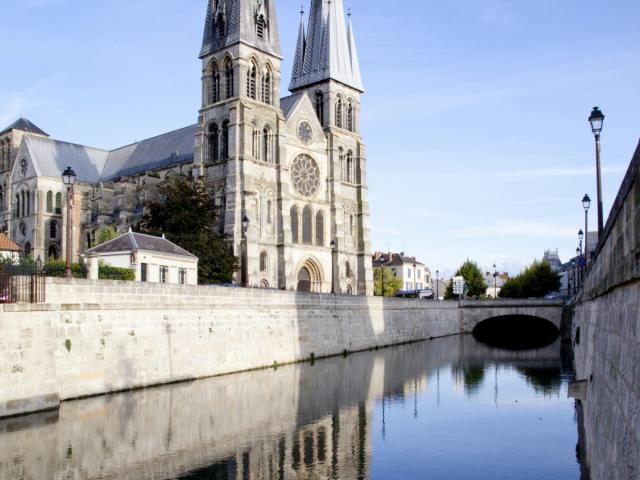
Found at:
(153, 259)
(9, 251)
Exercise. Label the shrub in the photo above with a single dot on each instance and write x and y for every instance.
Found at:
(535, 281)
(107, 272)
(55, 268)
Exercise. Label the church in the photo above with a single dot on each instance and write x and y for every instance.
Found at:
(293, 166)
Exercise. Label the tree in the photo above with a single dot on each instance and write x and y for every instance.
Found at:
(537, 280)
(475, 284)
(391, 284)
(187, 217)
(105, 235)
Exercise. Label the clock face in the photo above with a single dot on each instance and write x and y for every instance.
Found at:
(305, 133)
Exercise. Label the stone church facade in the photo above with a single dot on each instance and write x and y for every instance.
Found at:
(294, 166)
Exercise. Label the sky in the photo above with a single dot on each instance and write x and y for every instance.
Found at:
(474, 116)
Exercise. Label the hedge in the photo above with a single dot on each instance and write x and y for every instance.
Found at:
(107, 272)
(55, 268)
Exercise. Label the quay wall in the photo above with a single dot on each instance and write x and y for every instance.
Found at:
(98, 337)
(606, 340)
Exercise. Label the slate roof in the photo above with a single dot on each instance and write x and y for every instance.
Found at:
(6, 245)
(287, 104)
(93, 165)
(24, 125)
(240, 26)
(162, 151)
(393, 259)
(131, 241)
(327, 50)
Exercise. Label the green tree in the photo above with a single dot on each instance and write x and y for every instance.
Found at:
(188, 218)
(535, 281)
(475, 284)
(105, 235)
(391, 284)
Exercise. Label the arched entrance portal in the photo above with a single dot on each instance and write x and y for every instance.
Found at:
(309, 278)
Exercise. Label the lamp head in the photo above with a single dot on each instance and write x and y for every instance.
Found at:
(596, 120)
(69, 177)
(586, 202)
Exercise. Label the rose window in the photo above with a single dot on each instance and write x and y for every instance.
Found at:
(305, 175)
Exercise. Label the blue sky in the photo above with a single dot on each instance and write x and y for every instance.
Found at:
(474, 116)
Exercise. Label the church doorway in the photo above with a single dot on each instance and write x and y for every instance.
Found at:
(309, 278)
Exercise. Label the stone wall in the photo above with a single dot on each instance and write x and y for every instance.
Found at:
(606, 337)
(98, 337)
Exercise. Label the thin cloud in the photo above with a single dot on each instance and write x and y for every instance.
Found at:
(511, 229)
(559, 172)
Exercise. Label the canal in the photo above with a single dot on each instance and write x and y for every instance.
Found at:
(450, 408)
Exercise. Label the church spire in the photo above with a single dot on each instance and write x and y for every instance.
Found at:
(298, 62)
(329, 51)
(253, 22)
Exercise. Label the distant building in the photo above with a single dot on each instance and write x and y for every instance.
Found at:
(496, 283)
(8, 249)
(553, 259)
(153, 259)
(414, 275)
(439, 288)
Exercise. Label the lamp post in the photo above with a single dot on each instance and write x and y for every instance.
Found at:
(333, 268)
(437, 284)
(597, 120)
(495, 282)
(245, 254)
(415, 279)
(586, 203)
(579, 256)
(69, 179)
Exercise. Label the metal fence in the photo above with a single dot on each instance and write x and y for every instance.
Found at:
(22, 284)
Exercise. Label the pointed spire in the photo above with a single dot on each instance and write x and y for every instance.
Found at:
(298, 62)
(329, 48)
(353, 52)
(232, 21)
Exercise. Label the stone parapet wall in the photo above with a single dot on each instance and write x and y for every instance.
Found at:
(606, 338)
(99, 337)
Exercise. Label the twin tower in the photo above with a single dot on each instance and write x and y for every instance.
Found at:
(293, 166)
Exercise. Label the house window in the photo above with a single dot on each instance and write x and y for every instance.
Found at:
(409, 273)
(409, 286)
(143, 272)
(164, 274)
(182, 275)
(419, 273)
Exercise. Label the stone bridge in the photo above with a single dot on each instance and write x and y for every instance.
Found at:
(474, 312)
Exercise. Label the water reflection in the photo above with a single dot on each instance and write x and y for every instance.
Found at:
(326, 420)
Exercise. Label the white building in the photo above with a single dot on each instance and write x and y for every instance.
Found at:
(153, 259)
(8, 249)
(414, 275)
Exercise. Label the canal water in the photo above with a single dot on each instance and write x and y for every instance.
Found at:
(449, 408)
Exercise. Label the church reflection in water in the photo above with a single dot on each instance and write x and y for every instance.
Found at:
(295, 422)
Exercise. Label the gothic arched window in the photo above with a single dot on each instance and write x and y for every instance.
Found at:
(350, 122)
(214, 93)
(24, 204)
(228, 78)
(320, 229)
(320, 107)
(225, 139)
(16, 212)
(53, 253)
(339, 112)
(49, 201)
(307, 225)
(266, 86)
(347, 269)
(251, 81)
(53, 229)
(266, 145)
(263, 261)
(28, 195)
(213, 143)
(269, 212)
(254, 141)
(261, 26)
(58, 203)
(349, 168)
(295, 225)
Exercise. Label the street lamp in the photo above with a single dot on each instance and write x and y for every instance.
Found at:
(586, 204)
(245, 254)
(579, 256)
(415, 279)
(597, 120)
(437, 284)
(495, 281)
(334, 245)
(69, 179)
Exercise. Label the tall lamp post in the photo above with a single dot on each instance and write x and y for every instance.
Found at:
(579, 256)
(597, 120)
(333, 268)
(437, 284)
(495, 282)
(586, 203)
(69, 179)
(245, 254)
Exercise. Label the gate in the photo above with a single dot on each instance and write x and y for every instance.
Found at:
(22, 284)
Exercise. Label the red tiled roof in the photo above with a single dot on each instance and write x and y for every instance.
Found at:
(7, 245)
